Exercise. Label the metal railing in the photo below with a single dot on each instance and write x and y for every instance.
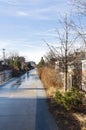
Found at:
(5, 76)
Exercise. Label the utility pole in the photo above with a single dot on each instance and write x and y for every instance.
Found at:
(4, 55)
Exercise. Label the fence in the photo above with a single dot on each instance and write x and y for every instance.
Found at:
(5, 75)
(83, 87)
(72, 81)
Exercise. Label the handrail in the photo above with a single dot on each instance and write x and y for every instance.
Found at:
(5, 76)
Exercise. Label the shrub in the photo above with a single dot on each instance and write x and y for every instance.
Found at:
(50, 78)
(71, 99)
(59, 97)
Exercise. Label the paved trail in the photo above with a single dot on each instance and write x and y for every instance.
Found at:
(23, 105)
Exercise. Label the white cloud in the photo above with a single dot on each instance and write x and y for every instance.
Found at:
(4, 44)
(22, 13)
(38, 13)
(23, 8)
(32, 14)
(33, 56)
(46, 35)
(21, 2)
(10, 2)
(30, 51)
(24, 44)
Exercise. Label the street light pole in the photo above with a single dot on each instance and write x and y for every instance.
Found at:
(4, 55)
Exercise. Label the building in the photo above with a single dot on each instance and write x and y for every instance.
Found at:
(76, 69)
(83, 75)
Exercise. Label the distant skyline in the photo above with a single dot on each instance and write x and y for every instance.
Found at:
(25, 23)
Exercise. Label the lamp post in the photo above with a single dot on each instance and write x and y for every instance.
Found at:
(4, 55)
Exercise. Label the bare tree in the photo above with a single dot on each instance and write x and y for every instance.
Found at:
(66, 40)
(81, 6)
(79, 27)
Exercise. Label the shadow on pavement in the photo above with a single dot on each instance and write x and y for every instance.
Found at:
(44, 119)
(25, 114)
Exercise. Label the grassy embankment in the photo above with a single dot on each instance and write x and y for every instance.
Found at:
(67, 108)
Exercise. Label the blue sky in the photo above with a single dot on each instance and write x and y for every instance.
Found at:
(25, 23)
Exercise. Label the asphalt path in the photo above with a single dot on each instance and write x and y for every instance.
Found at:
(23, 104)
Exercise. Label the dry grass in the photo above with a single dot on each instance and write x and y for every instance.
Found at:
(50, 79)
(82, 119)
